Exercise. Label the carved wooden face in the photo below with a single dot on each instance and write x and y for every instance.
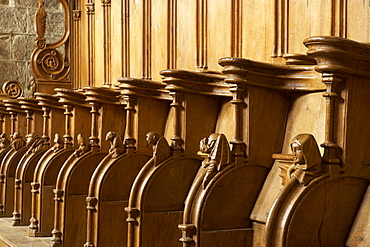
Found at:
(298, 154)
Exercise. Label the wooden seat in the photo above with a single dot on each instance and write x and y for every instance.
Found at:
(77, 120)
(147, 108)
(12, 157)
(52, 116)
(159, 191)
(74, 176)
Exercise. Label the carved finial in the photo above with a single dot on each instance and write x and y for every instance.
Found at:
(18, 141)
(83, 145)
(4, 141)
(58, 143)
(116, 144)
(307, 159)
(217, 149)
(40, 24)
(161, 149)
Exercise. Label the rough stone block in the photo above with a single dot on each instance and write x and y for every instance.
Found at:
(22, 47)
(4, 46)
(4, 2)
(13, 20)
(12, 71)
(55, 24)
(26, 3)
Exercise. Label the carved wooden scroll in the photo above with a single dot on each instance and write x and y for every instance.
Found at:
(48, 64)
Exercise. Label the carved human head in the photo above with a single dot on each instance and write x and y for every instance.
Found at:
(305, 150)
(152, 137)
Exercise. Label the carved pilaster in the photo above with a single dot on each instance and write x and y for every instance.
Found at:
(331, 149)
(238, 145)
(45, 128)
(67, 136)
(176, 145)
(130, 109)
(94, 140)
(90, 11)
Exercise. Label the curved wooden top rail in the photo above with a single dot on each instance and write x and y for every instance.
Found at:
(143, 87)
(29, 104)
(196, 82)
(71, 97)
(339, 55)
(3, 108)
(102, 95)
(245, 72)
(48, 100)
(13, 106)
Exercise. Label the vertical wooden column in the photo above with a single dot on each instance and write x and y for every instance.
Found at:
(130, 110)
(107, 41)
(147, 39)
(176, 145)
(67, 136)
(94, 140)
(201, 35)
(90, 11)
(76, 45)
(330, 146)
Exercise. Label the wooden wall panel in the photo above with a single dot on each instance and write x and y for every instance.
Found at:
(160, 37)
(358, 13)
(116, 49)
(99, 44)
(186, 34)
(218, 43)
(136, 38)
(257, 38)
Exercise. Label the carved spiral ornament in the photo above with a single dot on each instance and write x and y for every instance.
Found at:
(50, 64)
(13, 88)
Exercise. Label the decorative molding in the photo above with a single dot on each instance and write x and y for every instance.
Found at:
(172, 34)
(90, 11)
(201, 35)
(339, 16)
(47, 63)
(281, 38)
(147, 39)
(126, 39)
(107, 41)
(236, 28)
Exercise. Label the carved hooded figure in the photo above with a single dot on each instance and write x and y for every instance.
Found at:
(307, 158)
(58, 143)
(161, 149)
(219, 155)
(4, 142)
(18, 141)
(116, 144)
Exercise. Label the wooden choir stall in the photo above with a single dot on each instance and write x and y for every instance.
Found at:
(191, 123)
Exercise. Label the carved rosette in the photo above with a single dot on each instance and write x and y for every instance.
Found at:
(13, 89)
(49, 64)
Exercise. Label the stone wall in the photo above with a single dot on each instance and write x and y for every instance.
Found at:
(17, 36)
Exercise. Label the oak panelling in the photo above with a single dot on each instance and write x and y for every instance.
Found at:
(357, 19)
(99, 45)
(186, 34)
(117, 21)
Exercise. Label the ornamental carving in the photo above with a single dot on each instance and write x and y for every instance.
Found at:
(58, 143)
(47, 63)
(161, 149)
(13, 89)
(4, 141)
(83, 146)
(17, 141)
(307, 159)
(217, 151)
(116, 144)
